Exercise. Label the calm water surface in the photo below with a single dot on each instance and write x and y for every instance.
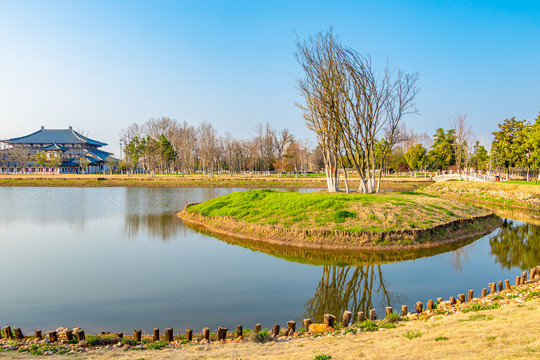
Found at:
(118, 259)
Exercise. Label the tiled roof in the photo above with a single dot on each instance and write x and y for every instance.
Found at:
(54, 147)
(51, 136)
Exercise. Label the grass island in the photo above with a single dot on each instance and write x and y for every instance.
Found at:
(341, 221)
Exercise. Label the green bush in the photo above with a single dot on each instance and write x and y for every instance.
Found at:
(158, 345)
(342, 215)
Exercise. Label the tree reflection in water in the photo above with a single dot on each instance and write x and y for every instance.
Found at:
(162, 226)
(349, 288)
(516, 244)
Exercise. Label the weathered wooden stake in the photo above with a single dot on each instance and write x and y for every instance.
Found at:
(523, 278)
(346, 319)
(419, 307)
(501, 287)
(38, 334)
(484, 293)
(81, 336)
(169, 334)
(507, 284)
(137, 335)
(69, 335)
(404, 311)
(492, 288)
(291, 327)
(189, 334)
(53, 336)
(439, 300)
(329, 319)
(156, 335)
(361, 316)
(7, 332)
(222, 333)
(206, 333)
(429, 304)
(239, 331)
(470, 295)
(307, 322)
(257, 328)
(120, 335)
(18, 333)
(532, 272)
(452, 299)
(461, 298)
(372, 315)
(518, 280)
(388, 311)
(275, 329)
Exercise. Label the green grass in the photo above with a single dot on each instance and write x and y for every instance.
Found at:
(262, 336)
(367, 325)
(480, 307)
(411, 334)
(322, 357)
(478, 317)
(158, 345)
(441, 338)
(323, 210)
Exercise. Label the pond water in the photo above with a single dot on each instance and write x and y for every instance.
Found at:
(118, 259)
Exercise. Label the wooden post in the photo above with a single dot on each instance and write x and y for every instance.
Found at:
(156, 335)
(419, 307)
(18, 333)
(329, 319)
(492, 288)
(169, 334)
(7, 332)
(429, 304)
(307, 322)
(388, 311)
(275, 330)
(53, 336)
(532, 272)
(361, 317)
(81, 336)
(501, 288)
(518, 280)
(257, 328)
(239, 331)
(372, 315)
(189, 334)
(137, 335)
(120, 335)
(291, 327)
(347, 315)
(470, 295)
(484, 293)
(461, 298)
(38, 334)
(222, 333)
(439, 300)
(206, 333)
(523, 278)
(507, 284)
(452, 299)
(404, 311)
(69, 335)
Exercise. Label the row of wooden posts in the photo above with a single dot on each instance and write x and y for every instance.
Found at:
(329, 319)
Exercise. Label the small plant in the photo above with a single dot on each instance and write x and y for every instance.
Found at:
(262, 336)
(393, 317)
(185, 341)
(92, 340)
(389, 326)
(129, 341)
(411, 334)
(342, 215)
(158, 345)
(491, 338)
(349, 330)
(322, 357)
(480, 307)
(441, 338)
(367, 325)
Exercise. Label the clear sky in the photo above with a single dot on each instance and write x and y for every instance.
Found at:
(102, 65)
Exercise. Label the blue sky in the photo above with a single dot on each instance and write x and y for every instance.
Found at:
(102, 65)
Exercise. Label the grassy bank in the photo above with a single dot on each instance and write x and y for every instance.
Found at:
(192, 181)
(338, 220)
(499, 193)
(501, 326)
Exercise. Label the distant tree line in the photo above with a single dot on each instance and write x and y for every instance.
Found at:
(169, 146)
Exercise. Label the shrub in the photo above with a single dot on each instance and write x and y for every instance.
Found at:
(322, 357)
(342, 215)
(262, 336)
(411, 334)
(158, 345)
(367, 325)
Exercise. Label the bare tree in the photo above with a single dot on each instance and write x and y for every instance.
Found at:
(207, 145)
(463, 141)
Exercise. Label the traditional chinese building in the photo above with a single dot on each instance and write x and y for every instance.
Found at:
(57, 151)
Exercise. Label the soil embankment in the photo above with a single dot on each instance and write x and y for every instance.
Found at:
(498, 193)
(339, 221)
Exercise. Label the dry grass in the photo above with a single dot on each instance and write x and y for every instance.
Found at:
(526, 196)
(510, 332)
